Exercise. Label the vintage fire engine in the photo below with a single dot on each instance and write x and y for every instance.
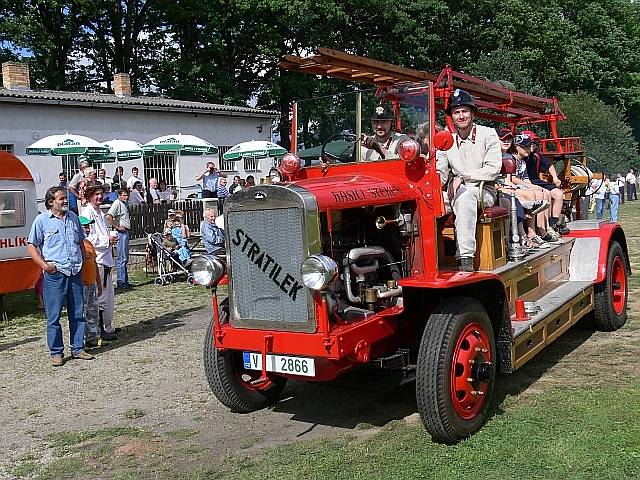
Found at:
(348, 265)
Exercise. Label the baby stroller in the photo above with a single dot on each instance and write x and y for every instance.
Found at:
(168, 262)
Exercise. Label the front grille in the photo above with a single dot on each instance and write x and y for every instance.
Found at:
(269, 231)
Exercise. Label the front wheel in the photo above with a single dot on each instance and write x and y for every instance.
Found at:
(230, 382)
(456, 370)
(610, 308)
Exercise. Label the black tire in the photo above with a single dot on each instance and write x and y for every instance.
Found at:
(610, 304)
(226, 375)
(449, 403)
(158, 281)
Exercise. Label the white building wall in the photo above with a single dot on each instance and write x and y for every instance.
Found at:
(23, 124)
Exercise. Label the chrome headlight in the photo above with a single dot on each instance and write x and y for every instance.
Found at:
(207, 270)
(318, 272)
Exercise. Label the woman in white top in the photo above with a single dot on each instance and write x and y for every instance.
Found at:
(164, 193)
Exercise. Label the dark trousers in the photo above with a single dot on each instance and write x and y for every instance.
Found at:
(621, 194)
(209, 194)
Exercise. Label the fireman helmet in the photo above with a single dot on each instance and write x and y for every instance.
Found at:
(460, 98)
(383, 111)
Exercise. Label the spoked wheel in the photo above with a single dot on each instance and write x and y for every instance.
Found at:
(230, 382)
(456, 370)
(610, 312)
(159, 281)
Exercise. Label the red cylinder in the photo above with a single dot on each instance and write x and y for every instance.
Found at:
(521, 313)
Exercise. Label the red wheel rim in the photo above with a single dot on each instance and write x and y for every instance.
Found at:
(468, 393)
(618, 285)
(247, 377)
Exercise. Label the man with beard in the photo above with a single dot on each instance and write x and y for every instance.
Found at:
(474, 157)
(383, 144)
(55, 245)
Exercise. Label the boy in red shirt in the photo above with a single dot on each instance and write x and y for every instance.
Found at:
(92, 289)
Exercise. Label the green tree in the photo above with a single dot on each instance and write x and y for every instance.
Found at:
(606, 136)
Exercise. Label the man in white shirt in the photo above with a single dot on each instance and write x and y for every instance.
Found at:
(632, 193)
(474, 157)
(134, 178)
(103, 242)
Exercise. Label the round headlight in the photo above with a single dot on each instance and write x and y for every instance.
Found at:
(318, 272)
(207, 270)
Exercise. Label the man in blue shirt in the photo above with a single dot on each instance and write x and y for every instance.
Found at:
(212, 235)
(210, 181)
(55, 245)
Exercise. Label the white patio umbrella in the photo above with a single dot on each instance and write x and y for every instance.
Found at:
(123, 149)
(254, 149)
(67, 144)
(181, 145)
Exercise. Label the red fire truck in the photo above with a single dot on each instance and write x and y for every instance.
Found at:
(348, 265)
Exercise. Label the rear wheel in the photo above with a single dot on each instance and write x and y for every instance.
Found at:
(456, 370)
(230, 382)
(610, 309)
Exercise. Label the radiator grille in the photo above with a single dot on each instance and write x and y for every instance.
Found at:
(266, 248)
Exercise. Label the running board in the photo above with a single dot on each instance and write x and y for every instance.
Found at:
(551, 316)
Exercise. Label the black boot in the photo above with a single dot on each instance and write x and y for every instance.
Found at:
(465, 264)
(106, 336)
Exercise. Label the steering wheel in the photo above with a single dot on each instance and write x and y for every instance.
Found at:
(351, 140)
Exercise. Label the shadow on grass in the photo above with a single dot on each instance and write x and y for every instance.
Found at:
(347, 407)
(146, 329)
(517, 382)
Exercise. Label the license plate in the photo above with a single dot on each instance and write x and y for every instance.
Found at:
(281, 364)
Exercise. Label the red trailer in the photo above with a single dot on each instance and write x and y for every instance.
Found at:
(18, 210)
(348, 266)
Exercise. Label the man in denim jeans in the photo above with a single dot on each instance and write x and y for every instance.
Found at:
(55, 245)
(119, 218)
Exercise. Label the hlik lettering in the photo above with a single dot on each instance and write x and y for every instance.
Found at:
(267, 264)
(13, 242)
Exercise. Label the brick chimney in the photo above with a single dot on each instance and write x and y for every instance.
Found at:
(15, 76)
(122, 84)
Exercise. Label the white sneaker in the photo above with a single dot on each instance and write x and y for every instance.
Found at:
(538, 242)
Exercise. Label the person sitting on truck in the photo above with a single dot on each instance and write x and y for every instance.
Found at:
(531, 197)
(522, 150)
(474, 157)
(383, 144)
(537, 164)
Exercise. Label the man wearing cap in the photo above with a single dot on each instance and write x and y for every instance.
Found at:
(536, 164)
(103, 242)
(55, 245)
(119, 218)
(474, 157)
(383, 144)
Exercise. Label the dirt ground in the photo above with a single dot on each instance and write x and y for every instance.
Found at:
(152, 378)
